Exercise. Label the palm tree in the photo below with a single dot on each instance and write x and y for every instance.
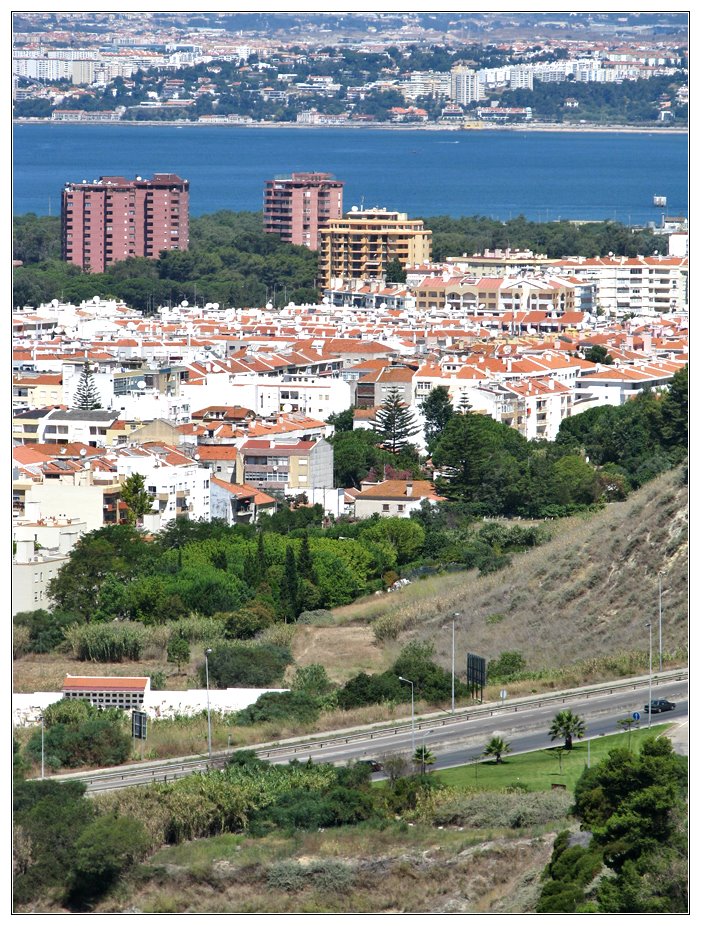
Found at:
(497, 747)
(423, 757)
(568, 725)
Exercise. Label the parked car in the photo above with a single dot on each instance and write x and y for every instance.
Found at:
(658, 706)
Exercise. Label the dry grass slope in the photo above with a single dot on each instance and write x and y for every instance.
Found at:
(586, 593)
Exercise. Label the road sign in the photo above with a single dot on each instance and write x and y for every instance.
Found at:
(636, 715)
(138, 724)
(476, 675)
(502, 694)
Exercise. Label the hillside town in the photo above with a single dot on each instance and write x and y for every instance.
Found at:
(133, 68)
(349, 469)
(226, 412)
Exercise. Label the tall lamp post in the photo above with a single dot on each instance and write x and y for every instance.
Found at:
(649, 691)
(659, 598)
(452, 686)
(409, 682)
(207, 653)
(42, 745)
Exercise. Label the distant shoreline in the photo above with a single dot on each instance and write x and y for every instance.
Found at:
(383, 127)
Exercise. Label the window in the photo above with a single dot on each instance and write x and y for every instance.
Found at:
(385, 507)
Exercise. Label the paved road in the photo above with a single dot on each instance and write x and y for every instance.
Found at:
(454, 739)
(525, 729)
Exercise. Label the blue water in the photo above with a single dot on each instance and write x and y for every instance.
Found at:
(501, 174)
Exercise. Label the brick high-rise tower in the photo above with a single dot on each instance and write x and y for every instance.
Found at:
(298, 206)
(114, 218)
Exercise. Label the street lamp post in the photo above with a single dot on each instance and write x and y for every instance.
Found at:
(409, 682)
(452, 687)
(649, 691)
(207, 653)
(42, 746)
(659, 596)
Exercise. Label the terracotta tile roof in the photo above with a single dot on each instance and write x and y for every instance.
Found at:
(217, 451)
(96, 683)
(397, 488)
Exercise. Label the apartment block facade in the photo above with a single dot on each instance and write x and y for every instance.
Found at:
(112, 219)
(297, 207)
(365, 241)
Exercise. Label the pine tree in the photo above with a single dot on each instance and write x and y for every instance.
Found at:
(395, 422)
(464, 405)
(86, 395)
(136, 498)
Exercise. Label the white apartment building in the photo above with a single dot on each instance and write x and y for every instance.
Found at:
(32, 570)
(643, 285)
(465, 85)
(178, 485)
(316, 396)
(521, 77)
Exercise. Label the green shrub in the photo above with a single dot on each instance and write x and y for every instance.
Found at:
(320, 617)
(286, 875)
(238, 665)
(114, 642)
(494, 618)
(105, 849)
(387, 627)
(559, 898)
(159, 681)
(46, 628)
(297, 706)
(506, 667)
(198, 629)
(99, 741)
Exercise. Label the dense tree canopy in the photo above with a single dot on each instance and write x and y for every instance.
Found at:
(231, 261)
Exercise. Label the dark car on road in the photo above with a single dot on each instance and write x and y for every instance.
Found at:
(658, 706)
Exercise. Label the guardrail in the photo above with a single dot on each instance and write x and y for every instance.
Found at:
(466, 714)
(165, 771)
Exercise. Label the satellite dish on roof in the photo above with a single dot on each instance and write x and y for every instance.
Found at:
(83, 451)
(54, 303)
(95, 299)
(141, 384)
(63, 449)
(215, 305)
(287, 407)
(184, 303)
(197, 456)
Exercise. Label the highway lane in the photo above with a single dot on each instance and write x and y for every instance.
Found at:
(525, 729)
(454, 739)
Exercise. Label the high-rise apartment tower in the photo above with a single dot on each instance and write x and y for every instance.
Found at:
(114, 218)
(361, 245)
(298, 206)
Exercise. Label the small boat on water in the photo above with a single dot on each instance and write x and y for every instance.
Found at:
(659, 200)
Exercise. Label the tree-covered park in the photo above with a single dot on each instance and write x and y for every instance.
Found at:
(233, 262)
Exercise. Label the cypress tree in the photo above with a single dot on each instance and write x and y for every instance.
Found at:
(262, 561)
(289, 589)
(395, 422)
(86, 395)
(305, 564)
(251, 570)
